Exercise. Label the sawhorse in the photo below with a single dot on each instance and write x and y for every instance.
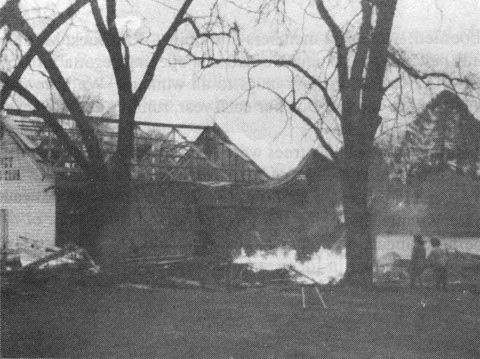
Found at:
(320, 297)
(314, 284)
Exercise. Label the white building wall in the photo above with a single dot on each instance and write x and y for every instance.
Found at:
(29, 201)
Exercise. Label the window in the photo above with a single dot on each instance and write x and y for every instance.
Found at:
(12, 175)
(6, 162)
(7, 172)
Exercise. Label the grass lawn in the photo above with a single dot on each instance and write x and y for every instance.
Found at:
(105, 320)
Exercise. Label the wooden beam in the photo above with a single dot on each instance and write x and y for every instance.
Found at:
(65, 116)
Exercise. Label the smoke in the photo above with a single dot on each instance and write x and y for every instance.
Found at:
(324, 266)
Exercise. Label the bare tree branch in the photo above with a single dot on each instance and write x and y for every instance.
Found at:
(54, 25)
(50, 121)
(111, 17)
(210, 34)
(376, 67)
(293, 106)
(338, 37)
(97, 15)
(358, 66)
(159, 50)
(320, 116)
(395, 57)
(391, 83)
(18, 23)
(318, 132)
(113, 44)
(208, 61)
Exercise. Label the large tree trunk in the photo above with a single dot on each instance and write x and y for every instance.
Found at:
(359, 242)
(125, 144)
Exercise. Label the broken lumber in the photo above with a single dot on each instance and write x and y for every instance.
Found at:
(69, 249)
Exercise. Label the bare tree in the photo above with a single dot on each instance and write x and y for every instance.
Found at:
(362, 54)
(12, 18)
(12, 21)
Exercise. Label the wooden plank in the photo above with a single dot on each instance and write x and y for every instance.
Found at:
(50, 257)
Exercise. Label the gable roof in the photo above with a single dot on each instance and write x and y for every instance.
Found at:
(220, 135)
(198, 158)
(18, 136)
(158, 156)
(25, 144)
(312, 160)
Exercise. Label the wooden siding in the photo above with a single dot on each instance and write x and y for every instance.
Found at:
(29, 201)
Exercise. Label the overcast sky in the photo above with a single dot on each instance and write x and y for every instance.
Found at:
(435, 34)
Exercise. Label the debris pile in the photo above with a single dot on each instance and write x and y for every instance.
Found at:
(30, 261)
(34, 258)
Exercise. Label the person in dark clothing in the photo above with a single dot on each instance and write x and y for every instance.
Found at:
(417, 260)
(437, 260)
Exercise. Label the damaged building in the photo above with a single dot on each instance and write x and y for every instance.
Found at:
(27, 192)
(194, 192)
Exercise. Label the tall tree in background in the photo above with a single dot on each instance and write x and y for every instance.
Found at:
(362, 53)
(13, 22)
(444, 135)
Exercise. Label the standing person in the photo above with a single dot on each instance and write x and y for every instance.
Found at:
(438, 261)
(417, 260)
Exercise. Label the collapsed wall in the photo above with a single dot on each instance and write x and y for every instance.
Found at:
(187, 219)
(195, 219)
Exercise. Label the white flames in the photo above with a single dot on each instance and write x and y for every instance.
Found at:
(323, 266)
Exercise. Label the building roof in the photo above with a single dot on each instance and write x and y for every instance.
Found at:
(180, 154)
(222, 136)
(27, 146)
(213, 168)
(312, 160)
(17, 134)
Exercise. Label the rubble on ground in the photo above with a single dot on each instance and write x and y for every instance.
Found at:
(30, 261)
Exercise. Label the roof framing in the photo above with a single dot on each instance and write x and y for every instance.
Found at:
(64, 116)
